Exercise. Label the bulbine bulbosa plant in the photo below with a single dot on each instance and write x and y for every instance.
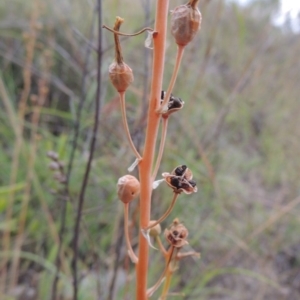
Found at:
(185, 23)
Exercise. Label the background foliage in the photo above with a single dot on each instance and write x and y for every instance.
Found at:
(239, 132)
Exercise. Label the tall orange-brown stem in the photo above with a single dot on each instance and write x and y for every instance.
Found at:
(145, 166)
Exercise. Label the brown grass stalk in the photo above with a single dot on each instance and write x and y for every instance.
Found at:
(30, 46)
(41, 97)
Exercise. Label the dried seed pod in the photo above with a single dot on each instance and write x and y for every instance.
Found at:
(128, 188)
(180, 180)
(185, 22)
(174, 104)
(120, 73)
(176, 234)
(183, 171)
(156, 230)
(121, 76)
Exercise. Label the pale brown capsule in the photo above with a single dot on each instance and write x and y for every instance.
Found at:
(128, 188)
(120, 73)
(185, 22)
(121, 76)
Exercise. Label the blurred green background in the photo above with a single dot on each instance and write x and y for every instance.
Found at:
(239, 132)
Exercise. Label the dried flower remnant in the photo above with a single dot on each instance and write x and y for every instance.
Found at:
(180, 180)
(120, 73)
(128, 188)
(185, 22)
(174, 104)
(177, 234)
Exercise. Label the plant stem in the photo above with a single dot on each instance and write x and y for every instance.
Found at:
(161, 247)
(164, 274)
(161, 146)
(145, 166)
(164, 105)
(125, 124)
(92, 148)
(165, 214)
(167, 283)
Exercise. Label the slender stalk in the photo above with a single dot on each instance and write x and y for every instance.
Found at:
(92, 148)
(161, 146)
(145, 166)
(168, 211)
(125, 124)
(164, 274)
(166, 286)
(164, 105)
(131, 254)
(127, 34)
(161, 247)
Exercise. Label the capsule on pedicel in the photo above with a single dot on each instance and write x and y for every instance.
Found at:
(185, 22)
(128, 188)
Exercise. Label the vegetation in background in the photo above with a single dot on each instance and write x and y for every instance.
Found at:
(239, 131)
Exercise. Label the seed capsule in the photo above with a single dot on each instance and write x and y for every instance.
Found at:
(156, 230)
(128, 188)
(176, 234)
(180, 180)
(120, 73)
(185, 22)
(121, 76)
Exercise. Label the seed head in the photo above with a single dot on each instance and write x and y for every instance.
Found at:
(128, 188)
(185, 22)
